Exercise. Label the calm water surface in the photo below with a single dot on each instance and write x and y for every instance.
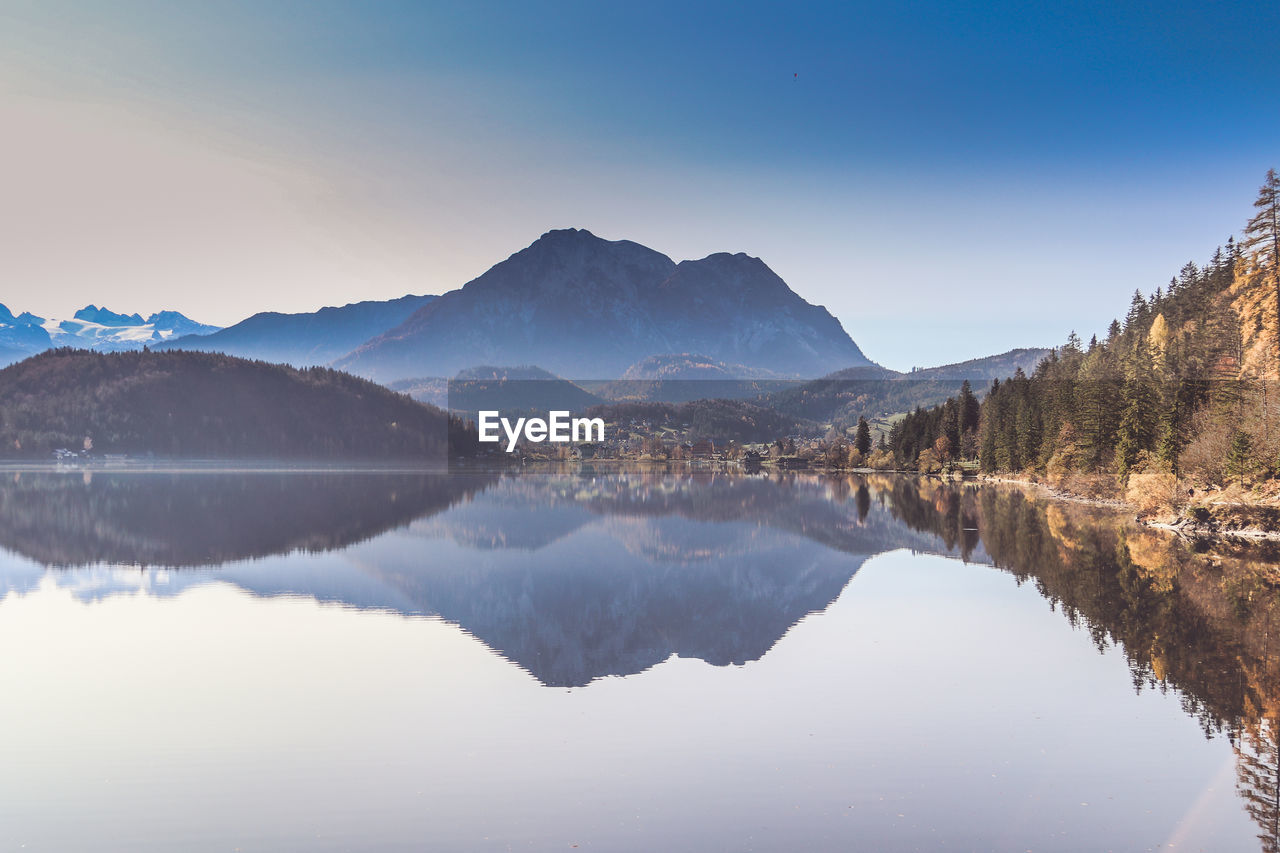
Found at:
(616, 661)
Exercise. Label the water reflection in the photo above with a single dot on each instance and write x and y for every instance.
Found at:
(180, 520)
(571, 578)
(1196, 617)
(578, 577)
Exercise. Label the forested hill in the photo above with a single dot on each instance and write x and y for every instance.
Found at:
(1182, 389)
(207, 405)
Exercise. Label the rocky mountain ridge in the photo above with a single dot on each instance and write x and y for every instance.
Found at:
(582, 306)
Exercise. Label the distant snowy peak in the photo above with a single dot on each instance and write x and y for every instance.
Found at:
(103, 317)
(99, 328)
(171, 324)
(91, 327)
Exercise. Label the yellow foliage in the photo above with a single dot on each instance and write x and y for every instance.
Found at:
(1159, 668)
(1254, 299)
(1152, 554)
(929, 463)
(1152, 492)
(1061, 527)
(881, 460)
(879, 483)
(1158, 338)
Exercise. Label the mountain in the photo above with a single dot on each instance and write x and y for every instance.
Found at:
(99, 328)
(305, 340)
(21, 336)
(983, 370)
(432, 390)
(515, 390)
(103, 317)
(171, 324)
(90, 328)
(587, 308)
(691, 366)
(527, 389)
(206, 405)
(570, 578)
(682, 377)
(871, 391)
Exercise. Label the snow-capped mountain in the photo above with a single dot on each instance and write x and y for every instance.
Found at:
(91, 327)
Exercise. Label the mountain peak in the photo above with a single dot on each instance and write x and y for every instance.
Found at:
(579, 246)
(103, 317)
(736, 275)
(565, 234)
(582, 306)
(741, 258)
(93, 328)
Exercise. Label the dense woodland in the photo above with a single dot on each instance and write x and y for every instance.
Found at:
(1182, 389)
(206, 405)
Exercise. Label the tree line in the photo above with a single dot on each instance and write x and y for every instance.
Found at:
(209, 405)
(1183, 386)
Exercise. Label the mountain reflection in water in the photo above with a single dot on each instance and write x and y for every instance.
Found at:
(577, 577)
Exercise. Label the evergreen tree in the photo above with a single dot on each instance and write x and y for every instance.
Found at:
(1240, 456)
(862, 441)
(1262, 233)
(1137, 311)
(1097, 403)
(1139, 398)
(950, 426)
(988, 426)
(1169, 433)
(969, 408)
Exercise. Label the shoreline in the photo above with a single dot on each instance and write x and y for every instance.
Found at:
(1184, 523)
(1210, 518)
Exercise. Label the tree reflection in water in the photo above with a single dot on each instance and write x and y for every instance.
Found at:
(1193, 617)
(1196, 617)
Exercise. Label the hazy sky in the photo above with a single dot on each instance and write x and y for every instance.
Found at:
(949, 179)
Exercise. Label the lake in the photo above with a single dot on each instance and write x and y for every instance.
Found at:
(604, 660)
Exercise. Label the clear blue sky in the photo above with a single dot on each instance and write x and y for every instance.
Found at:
(949, 179)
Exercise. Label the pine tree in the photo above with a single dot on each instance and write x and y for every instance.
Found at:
(1262, 233)
(1240, 456)
(1168, 433)
(1137, 311)
(1097, 402)
(988, 427)
(969, 408)
(1139, 421)
(862, 441)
